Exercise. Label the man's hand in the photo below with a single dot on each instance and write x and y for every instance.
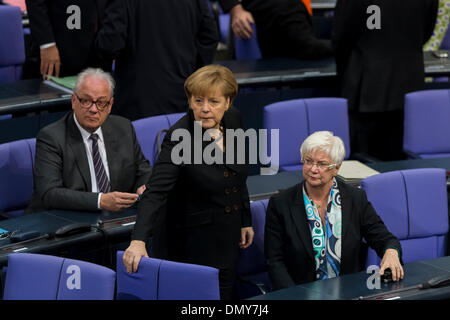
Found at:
(240, 22)
(50, 61)
(115, 201)
(246, 237)
(141, 189)
(133, 255)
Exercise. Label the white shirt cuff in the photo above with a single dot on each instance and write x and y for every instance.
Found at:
(47, 45)
(98, 200)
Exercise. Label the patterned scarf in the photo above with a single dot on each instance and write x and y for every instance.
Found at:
(326, 245)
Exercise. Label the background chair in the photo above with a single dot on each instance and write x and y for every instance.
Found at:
(147, 130)
(44, 277)
(426, 124)
(413, 206)
(150, 132)
(247, 49)
(253, 278)
(184, 281)
(297, 119)
(12, 52)
(141, 285)
(16, 177)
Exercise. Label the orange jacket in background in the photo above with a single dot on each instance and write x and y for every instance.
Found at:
(308, 5)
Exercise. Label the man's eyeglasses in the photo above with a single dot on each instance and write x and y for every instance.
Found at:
(322, 165)
(101, 104)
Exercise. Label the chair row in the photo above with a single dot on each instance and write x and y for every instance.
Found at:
(45, 277)
(17, 162)
(411, 203)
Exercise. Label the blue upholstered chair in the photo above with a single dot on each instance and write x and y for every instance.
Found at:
(147, 130)
(12, 47)
(297, 119)
(16, 177)
(413, 206)
(44, 277)
(426, 124)
(247, 49)
(167, 280)
(253, 278)
(141, 285)
(174, 117)
(184, 281)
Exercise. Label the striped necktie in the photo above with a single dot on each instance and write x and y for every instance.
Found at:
(100, 172)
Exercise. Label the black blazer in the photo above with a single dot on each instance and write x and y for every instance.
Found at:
(48, 23)
(202, 207)
(287, 237)
(377, 67)
(62, 178)
(157, 44)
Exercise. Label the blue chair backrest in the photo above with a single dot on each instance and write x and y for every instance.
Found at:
(247, 49)
(184, 281)
(413, 206)
(141, 285)
(44, 277)
(16, 176)
(12, 47)
(166, 280)
(149, 129)
(251, 265)
(426, 123)
(297, 119)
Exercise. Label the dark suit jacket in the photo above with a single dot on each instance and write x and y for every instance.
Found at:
(61, 173)
(287, 237)
(157, 44)
(377, 67)
(284, 29)
(48, 23)
(207, 204)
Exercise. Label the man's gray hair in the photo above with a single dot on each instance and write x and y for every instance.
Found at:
(326, 142)
(97, 72)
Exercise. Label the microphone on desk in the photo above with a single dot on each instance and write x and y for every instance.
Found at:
(436, 282)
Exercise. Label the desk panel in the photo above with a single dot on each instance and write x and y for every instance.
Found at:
(353, 286)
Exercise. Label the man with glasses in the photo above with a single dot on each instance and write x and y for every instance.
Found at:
(89, 160)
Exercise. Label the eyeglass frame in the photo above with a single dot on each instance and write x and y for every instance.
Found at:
(319, 166)
(92, 103)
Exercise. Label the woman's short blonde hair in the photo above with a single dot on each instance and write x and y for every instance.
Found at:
(326, 142)
(209, 78)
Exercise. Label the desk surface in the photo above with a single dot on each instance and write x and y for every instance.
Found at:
(30, 95)
(354, 286)
(113, 224)
(284, 71)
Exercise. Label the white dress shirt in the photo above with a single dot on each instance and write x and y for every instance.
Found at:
(101, 149)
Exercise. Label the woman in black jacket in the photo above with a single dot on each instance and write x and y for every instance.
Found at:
(204, 208)
(314, 230)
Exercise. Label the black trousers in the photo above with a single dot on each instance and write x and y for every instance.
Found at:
(379, 134)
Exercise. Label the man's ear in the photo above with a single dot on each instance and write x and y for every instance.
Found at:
(73, 100)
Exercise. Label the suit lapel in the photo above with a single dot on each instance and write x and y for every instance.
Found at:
(112, 153)
(298, 214)
(75, 142)
(346, 210)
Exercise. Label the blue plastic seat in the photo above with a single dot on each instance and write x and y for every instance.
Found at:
(413, 206)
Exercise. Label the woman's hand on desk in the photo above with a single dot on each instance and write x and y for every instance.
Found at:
(246, 237)
(391, 260)
(133, 255)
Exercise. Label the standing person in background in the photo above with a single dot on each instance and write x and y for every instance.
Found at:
(284, 27)
(379, 58)
(63, 32)
(157, 44)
